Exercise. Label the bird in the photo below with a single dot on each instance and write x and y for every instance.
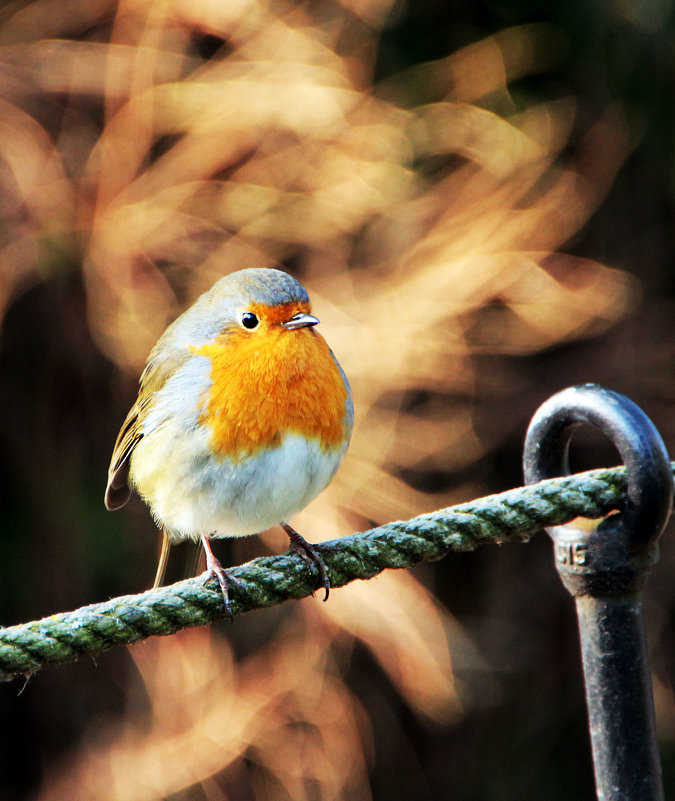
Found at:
(243, 416)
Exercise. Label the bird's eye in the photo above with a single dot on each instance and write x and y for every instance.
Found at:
(249, 320)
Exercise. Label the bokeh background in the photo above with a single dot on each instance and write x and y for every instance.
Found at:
(479, 198)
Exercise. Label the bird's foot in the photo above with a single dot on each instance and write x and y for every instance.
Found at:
(224, 578)
(310, 554)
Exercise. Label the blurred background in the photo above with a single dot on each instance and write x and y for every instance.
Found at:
(479, 198)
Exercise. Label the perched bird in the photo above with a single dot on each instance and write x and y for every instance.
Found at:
(243, 416)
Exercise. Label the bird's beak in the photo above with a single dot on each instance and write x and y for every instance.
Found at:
(300, 320)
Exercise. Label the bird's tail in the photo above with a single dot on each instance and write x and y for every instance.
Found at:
(163, 559)
(191, 554)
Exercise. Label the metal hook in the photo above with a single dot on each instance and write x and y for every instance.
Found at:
(650, 479)
(603, 567)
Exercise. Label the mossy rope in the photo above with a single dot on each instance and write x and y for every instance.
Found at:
(513, 515)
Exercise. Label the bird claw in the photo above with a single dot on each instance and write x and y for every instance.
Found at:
(224, 578)
(310, 555)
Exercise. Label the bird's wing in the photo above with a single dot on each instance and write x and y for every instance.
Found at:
(156, 373)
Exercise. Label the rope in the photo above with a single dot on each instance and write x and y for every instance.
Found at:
(516, 514)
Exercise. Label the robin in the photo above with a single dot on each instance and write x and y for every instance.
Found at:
(243, 416)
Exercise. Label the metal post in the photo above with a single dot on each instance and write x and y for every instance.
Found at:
(614, 653)
(603, 567)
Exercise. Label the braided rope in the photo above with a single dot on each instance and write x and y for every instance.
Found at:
(516, 514)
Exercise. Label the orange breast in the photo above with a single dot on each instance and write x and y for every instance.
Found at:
(269, 382)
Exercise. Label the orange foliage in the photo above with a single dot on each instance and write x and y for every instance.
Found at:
(425, 215)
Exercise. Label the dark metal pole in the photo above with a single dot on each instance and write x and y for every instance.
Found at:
(603, 566)
(614, 653)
